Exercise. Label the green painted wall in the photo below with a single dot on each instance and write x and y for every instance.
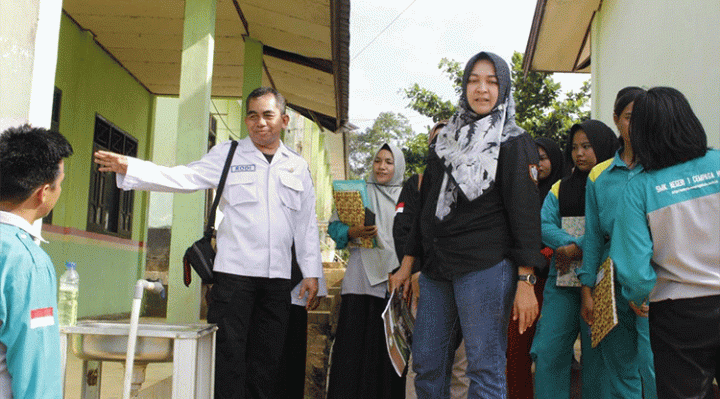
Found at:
(93, 83)
(227, 111)
(318, 157)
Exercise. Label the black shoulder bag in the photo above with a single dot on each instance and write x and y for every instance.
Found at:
(201, 255)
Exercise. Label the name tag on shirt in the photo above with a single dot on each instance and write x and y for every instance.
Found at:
(242, 168)
(41, 317)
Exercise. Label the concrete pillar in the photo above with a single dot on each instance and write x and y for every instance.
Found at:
(193, 125)
(29, 31)
(252, 72)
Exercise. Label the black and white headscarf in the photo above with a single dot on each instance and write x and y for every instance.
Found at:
(469, 145)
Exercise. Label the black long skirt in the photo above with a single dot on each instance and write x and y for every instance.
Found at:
(360, 366)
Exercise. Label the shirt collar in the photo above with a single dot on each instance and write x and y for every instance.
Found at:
(17, 221)
(617, 162)
(248, 146)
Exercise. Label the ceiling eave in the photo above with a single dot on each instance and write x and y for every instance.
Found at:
(559, 39)
(305, 47)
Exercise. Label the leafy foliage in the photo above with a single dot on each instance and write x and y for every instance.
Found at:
(538, 108)
(415, 151)
(430, 104)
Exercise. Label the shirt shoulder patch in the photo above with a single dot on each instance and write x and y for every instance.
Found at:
(598, 169)
(533, 169)
(42, 317)
(555, 189)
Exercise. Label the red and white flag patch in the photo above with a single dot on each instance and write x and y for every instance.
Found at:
(41, 317)
(399, 207)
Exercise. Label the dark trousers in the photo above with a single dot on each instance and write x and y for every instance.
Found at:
(292, 363)
(252, 315)
(360, 365)
(685, 340)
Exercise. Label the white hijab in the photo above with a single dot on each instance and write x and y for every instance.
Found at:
(381, 260)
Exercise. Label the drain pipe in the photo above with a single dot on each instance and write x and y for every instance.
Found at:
(140, 287)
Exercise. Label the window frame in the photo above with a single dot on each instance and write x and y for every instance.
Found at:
(110, 209)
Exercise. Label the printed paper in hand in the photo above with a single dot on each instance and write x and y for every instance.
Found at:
(575, 226)
(350, 202)
(399, 324)
(604, 305)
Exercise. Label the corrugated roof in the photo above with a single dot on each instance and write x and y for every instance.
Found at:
(306, 47)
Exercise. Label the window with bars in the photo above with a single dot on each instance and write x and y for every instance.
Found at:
(110, 209)
(55, 127)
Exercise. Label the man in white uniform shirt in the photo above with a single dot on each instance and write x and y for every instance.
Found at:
(268, 202)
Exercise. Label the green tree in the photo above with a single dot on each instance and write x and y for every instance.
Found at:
(539, 108)
(430, 104)
(388, 127)
(415, 150)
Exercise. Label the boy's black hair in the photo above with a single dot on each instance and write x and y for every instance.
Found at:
(664, 130)
(29, 157)
(261, 91)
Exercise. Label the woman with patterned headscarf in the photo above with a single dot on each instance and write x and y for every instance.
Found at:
(478, 231)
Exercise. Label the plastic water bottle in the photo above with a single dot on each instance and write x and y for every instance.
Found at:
(68, 295)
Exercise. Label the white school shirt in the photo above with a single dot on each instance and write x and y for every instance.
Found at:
(265, 206)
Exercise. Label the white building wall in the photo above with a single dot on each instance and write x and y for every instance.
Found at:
(658, 43)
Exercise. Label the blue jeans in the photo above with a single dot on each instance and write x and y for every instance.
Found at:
(477, 303)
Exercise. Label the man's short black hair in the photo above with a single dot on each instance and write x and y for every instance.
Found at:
(261, 91)
(664, 130)
(29, 157)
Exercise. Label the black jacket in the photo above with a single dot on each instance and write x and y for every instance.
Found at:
(502, 223)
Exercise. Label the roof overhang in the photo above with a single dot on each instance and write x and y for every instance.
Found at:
(305, 47)
(560, 36)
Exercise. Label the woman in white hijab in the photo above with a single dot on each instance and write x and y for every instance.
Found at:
(360, 367)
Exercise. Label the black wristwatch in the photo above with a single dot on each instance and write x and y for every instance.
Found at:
(529, 278)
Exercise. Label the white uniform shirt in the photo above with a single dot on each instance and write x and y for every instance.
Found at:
(265, 206)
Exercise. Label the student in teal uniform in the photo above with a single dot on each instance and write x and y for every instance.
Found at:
(32, 170)
(589, 142)
(626, 349)
(666, 243)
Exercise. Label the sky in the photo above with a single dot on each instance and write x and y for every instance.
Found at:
(409, 49)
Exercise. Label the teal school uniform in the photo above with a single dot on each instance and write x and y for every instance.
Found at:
(626, 349)
(28, 315)
(665, 248)
(560, 322)
(685, 265)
